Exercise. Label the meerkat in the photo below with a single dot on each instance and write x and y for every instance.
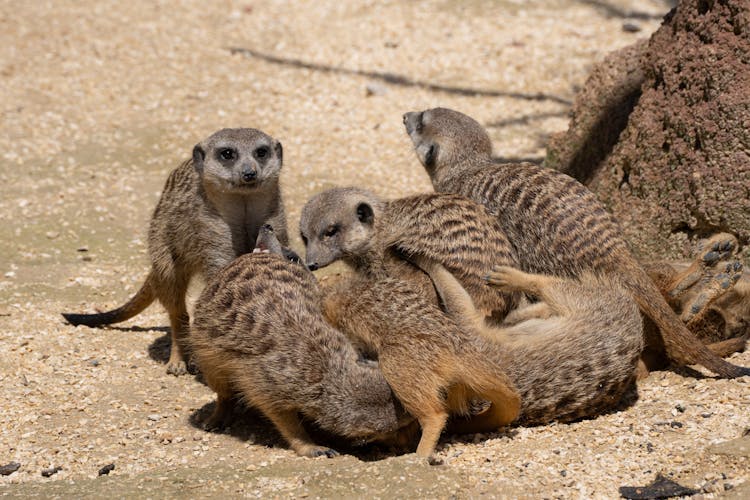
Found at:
(573, 362)
(258, 333)
(209, 213)
(451, 229)
(573, 354)
(711, 297)
(557, 226)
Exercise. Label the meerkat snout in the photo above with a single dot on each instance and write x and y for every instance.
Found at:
(248, 174)
(412, 121)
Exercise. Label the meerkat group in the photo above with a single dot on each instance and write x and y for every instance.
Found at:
(508, 286)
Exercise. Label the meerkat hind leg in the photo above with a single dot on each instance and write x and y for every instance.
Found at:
(218, 420)
(538, 310)
(432, 426)
(179, 322)
(456, 300)
(288, 424)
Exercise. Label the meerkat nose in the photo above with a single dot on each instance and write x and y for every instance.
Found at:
(313, 266)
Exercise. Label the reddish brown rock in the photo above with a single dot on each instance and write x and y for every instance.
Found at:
(680, 169)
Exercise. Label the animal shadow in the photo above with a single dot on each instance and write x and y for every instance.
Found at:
(249, 425)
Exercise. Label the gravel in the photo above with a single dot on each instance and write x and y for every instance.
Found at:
(101, 99)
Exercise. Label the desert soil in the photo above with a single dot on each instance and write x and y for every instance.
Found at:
(100, 99)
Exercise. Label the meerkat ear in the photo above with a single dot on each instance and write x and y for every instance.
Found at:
(430, 157)
(198, 156)
(365, 213)
(279, 151)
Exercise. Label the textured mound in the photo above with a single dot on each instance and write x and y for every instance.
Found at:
(681, 167)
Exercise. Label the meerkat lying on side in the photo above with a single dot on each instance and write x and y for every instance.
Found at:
(710, 295)
(557, 226)
(435, 364)
(209, 213)
(258, 333)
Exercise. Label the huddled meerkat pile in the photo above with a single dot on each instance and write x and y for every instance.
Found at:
(507, 296)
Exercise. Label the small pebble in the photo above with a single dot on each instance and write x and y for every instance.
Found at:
(51, 471)
(154, 417)
(106, 469)
(631, 27)
(8, 469)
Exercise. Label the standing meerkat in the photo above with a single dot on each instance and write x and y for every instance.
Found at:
(210, 211)
(556, 224)
(258, 333)
(575, 361)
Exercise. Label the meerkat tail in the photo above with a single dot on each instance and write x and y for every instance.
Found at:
(681, 345)
(140, 301)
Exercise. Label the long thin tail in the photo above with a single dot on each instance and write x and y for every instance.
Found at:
(681, 345)
(140, 301)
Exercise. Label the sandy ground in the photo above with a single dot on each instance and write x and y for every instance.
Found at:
(100, 99)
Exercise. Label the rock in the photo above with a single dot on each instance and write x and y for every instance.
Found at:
(106, 469)
(680, 168)
(8, 469)
(51, 471)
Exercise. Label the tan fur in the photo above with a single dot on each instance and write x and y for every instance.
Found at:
(258, 333)
(556, 225)
(572, 355)
(435, 364)
(209, 213)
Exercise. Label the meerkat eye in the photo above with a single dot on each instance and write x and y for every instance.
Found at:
(227, 154)
(304, 239)
(331, 231)
(261, 152)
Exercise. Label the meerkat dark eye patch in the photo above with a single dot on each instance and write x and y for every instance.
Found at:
(430, 158)
(227, 154)
(262, 152)
(365, 213)
(418, 125)
(331, 231)
(304, 238)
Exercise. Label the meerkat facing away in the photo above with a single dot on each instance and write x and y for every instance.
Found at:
(258, 332)
(209, 213)
(432, 365)
(556, 224)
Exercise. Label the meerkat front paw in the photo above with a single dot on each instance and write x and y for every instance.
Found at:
(321, 451)
(177, 368)
(718, 248)
(711, 288)
(506, 277)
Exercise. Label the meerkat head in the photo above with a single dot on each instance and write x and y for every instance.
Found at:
(238, 160)
(444, 138)
(267, 242)
(339, 224)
